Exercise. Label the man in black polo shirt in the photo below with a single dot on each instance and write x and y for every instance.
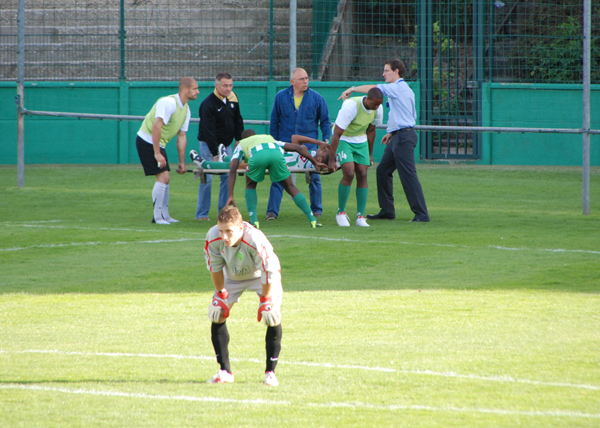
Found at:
(220, 123)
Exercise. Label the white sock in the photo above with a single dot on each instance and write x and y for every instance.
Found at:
(165, 208)
(158, 196)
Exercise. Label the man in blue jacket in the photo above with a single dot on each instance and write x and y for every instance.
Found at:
(299, 110)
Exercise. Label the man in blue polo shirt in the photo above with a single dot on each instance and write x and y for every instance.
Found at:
(400, 142)
(302, 111)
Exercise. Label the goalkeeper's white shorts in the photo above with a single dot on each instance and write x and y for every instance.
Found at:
(236, 288)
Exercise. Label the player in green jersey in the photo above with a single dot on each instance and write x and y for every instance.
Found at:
(263, 152)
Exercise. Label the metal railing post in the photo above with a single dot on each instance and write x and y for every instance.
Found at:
(293, 33)
(587, 6)
(21, 95)
(122, 39)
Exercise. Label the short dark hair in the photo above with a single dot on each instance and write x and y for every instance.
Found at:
(223, 75)
(396, 64)
(375, 94)
(247, 133)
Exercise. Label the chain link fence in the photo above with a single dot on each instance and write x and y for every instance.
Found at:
(524, 41)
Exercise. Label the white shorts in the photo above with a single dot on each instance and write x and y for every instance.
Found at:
(236, 288)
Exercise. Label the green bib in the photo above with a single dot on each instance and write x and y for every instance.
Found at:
(361, 122)
(253, 141)
(172, 128)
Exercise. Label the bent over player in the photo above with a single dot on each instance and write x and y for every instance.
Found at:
(262, 153)
(240, 257)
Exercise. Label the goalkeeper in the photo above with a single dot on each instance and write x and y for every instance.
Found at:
(240, 257)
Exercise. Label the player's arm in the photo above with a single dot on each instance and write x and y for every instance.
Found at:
(362, 89)
(233, 167)
(303, 152)
(263, 260)
(335, 141)
(301, 139)
(219, 310)
(181, 145)
(218, 279)
(156, 134)
(371, 140)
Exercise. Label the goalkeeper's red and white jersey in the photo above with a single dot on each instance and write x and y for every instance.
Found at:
(252, 258)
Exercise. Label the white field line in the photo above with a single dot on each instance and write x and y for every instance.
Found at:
(353, 405)
(432, 244)
(508, 379)
(319, 238)
(84, 244)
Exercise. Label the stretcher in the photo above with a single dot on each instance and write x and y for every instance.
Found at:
(201, 172)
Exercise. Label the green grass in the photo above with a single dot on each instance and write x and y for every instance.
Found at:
(489, 316)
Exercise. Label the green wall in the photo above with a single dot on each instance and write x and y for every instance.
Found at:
(68, 140)
(540, 106)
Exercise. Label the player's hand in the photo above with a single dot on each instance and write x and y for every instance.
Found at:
(231, 201)
(320, 166)
(219, 306)
(181, 168)
(267, 314)
(371, 159)
(160, 160)
(345, 94)
(332, 166)
(386, 139)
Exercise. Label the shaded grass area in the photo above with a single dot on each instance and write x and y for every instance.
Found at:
(87, 229)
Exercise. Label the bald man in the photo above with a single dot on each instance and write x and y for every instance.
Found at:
(302, 111)
(169, 117)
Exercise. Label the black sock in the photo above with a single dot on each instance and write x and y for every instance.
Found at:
(273, 345)
(220, 341)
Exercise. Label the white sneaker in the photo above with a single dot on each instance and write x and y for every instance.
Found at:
(196, 158)
(362, 222)
(223, 376)
(342, 219)
(171, 220)
(271, 379)
(222, 152)
(160, 221)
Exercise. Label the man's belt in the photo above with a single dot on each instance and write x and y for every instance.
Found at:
(402, 130)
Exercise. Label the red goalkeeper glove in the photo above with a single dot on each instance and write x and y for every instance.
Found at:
(218, 306)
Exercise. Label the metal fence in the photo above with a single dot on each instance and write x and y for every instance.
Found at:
(450, 47)
(525, 41)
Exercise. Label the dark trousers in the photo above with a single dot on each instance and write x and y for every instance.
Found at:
(399, 155)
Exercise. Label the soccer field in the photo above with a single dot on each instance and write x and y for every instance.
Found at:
(489, 316)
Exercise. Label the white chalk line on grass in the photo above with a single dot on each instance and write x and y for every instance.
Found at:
(353, 405)
(433, 244)
(508, 379)
(319, 238)
(95, 243)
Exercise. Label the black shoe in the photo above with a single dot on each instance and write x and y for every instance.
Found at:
(380, 216)
(419, 220)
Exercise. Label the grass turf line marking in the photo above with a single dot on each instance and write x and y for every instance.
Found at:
(83, 244)
(508, 379)
(433, 244)
(320, 238)
(355, 405)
